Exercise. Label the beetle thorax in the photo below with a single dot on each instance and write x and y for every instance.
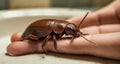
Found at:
(57, 27)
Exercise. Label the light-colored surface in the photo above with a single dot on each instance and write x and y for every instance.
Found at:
(17, 20)
(28, 3)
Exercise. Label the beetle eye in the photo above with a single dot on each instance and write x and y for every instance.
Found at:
(71, 27)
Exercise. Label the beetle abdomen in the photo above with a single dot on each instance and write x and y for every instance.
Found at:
(42, 28)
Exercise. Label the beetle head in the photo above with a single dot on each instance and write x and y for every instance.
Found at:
(71, 29)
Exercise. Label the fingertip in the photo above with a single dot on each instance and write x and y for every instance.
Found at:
(19, 48)
(14, 49)
(16, 37)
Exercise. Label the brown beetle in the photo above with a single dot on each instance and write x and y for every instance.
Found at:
(51, 28)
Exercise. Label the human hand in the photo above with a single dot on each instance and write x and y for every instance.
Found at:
(105, 36)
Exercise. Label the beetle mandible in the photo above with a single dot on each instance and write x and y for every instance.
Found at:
(51, 28)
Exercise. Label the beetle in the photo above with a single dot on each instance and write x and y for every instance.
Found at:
(51, 28)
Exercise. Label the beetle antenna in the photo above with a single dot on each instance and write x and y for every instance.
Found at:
(87, 39)
(83, 20)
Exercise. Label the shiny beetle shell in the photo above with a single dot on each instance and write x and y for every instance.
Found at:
(44, 27)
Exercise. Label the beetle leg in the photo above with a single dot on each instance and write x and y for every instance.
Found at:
(44, 42)
(72, 39)
(55, 44)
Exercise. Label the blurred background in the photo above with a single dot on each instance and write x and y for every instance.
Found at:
(85, 4)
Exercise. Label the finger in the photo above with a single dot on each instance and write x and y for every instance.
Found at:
(101, 29)
(106, 45)
(90, 20)
(16, 37)
(21, 47)
(106, 17)
(109, 14)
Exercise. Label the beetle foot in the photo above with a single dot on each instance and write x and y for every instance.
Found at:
(43, 49)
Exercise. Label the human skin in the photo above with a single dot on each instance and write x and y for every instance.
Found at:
(103, 27)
